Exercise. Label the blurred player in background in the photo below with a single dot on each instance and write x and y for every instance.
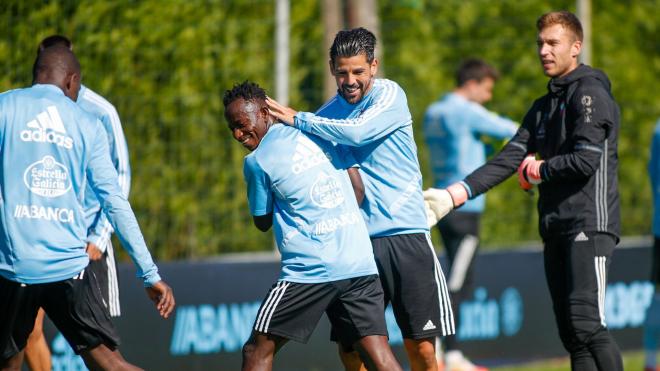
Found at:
(99, 231)
(453, 127)
(371, 116)
(573, 130)
(652, 323)
(51, 149)
(298, 183)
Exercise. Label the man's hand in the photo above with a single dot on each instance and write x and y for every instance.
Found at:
(162, 295)
(442, 201)
(522, 181)
(284, 114)
(93, 251)
(431, 218)
(529, 172)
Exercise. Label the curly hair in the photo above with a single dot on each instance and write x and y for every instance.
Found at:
(247, 90)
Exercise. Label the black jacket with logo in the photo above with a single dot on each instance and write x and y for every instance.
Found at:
(574, 128)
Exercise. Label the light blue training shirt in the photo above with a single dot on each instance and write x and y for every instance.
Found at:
(50, 149)
(99, 228)
(379, 130)
(318, 227)
(453, 127)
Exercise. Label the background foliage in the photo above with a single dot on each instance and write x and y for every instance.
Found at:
(166, 64)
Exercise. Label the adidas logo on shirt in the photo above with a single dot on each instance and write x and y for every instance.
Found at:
(308, 155)
(581, 237)
(429, 326)
(47, 128)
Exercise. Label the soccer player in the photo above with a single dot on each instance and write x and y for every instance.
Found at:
(652, 322)
(99, 231)
(371, 116)
(51, 148)
(573, 130)
(453, 129)
(298, 184)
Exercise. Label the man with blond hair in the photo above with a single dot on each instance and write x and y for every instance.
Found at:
(567, 145)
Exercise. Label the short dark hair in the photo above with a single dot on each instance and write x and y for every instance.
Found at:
(247, 90)
(474, 69)
(564, 18)
(54, 40)
(349, 43)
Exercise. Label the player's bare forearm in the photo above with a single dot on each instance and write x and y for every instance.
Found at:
(356, 182)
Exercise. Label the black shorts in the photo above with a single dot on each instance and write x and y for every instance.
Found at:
(105, 270)
(413, 282)
(354, 306)
(74, 305)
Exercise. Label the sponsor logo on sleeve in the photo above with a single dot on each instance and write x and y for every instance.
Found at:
(586, 105)
(47, 128)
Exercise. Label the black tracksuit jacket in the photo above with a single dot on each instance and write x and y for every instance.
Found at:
(574, 128)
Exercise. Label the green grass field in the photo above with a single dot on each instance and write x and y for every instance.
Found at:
(632, 361)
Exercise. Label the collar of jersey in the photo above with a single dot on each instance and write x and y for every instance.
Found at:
(51, 87)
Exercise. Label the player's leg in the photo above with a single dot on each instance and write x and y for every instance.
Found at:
(350, 358)
(358, 318)
(556, 255)
(460, 236)
(290, 311)
(103, 358)
(421, 353)
(259, 351)
(651, 339)
(37, 353)
(19, 304)
(76, 308)
(419, 295)
(589, 264)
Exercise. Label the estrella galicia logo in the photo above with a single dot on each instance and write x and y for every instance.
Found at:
(47, 178)
(326, 192)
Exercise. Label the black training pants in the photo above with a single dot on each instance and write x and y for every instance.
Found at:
(460, 235)
(576, 272)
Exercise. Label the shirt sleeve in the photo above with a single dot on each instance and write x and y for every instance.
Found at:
(483, 121)
(100, 233)
(346, 158)
(505, 162)
(102, 177)
(594, 109)
(260, 196)
(387, 112)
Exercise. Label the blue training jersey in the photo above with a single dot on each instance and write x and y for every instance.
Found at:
(50, 149)
(318, 228)
(453, 128)
(654, 175)
(99, 229)
(379, 130)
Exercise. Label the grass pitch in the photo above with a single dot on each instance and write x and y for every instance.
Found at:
(633, 361)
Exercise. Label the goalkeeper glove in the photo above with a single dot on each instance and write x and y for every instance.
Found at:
(529, 172)
(442, 201)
